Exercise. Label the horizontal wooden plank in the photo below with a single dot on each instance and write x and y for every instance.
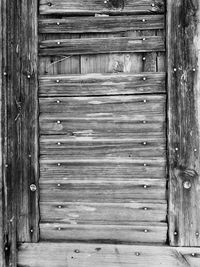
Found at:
(101, 45)
(101, 84)
(102, 191)
(138, 125)
(102, 213)
(46, 254)
(82, 147)
(145, 168)
(143, 233)
(101, 24)
(109, 106)
(97, 6)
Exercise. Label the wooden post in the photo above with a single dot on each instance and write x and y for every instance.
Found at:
(19, 132)
(184, 122)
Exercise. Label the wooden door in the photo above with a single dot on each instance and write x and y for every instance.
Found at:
(100, 151)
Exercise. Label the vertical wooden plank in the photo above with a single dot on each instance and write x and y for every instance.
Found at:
(1, 135)
(28, 214)
(184, 122)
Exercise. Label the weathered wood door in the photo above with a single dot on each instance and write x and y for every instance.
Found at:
(100, 133)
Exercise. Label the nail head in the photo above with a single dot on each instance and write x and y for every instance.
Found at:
(187, 184)
(33, 187)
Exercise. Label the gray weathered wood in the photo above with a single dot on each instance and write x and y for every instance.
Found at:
(184, 122)
(101, 190)
(134, 233)
(99, 255)
(109, 7)
(101, 84)
(103, 213)
(101, 45)
(101, 24)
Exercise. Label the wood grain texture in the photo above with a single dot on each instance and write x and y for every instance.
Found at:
(101, 24)
(101, 45)
(142, 233)
(103, 213)
(101, 190)
(184, 122)
(27, 118)
(99, 255)
(97, 6)
(101, 84)
(82, 147)
(143, 168)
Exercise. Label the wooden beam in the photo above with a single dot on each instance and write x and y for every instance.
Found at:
(99, 255)
(184, 122)
(101, 45)
(102, 84)
(28, 213)
(107, 7)
(101, 24)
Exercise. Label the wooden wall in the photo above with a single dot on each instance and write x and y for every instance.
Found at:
(102, 96)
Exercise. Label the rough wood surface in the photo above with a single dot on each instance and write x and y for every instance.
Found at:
(101, 45)
(143, 168)
(102, 191)
(101, 84)
(101, 24)
(184, 122)
(135, 233)
(103, 213)
(89, 255)
(98, 6)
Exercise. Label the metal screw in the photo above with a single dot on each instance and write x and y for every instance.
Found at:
(187, 184)
(33, 187)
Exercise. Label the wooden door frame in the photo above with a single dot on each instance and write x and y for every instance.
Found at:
(19, 108)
